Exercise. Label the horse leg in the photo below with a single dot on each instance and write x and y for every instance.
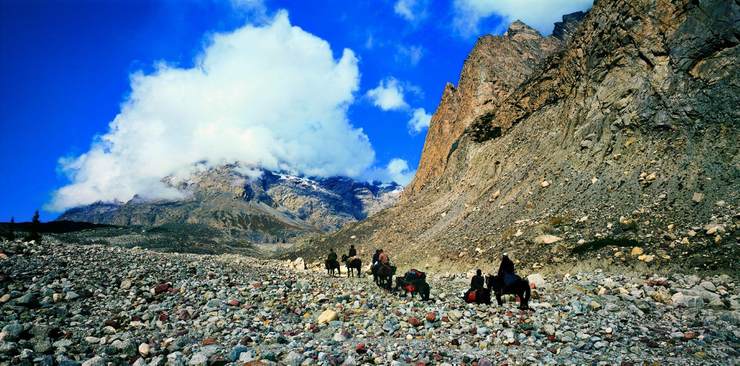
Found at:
(498, 298)
(526, 296)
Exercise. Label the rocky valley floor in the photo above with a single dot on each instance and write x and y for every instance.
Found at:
(94, 305)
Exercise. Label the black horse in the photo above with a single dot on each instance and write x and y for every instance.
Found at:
(383, 275)
(352, 264)
(420, 287)
(520, 287)
(331, 266)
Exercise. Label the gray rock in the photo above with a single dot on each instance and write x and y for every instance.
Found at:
(679, 299)
(293, 358)
(708, 286)
(175, 359)
(236, 352)
(29, 299)
(95, 361)
(12, 331)
(198, 359)
(41, 345)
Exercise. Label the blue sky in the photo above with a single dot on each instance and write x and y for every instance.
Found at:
(69, 68)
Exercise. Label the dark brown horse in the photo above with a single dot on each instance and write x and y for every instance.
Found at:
(332, 266)
(352, 264)
(383, 275)
(517, 286)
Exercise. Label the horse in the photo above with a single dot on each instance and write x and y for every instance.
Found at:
(384, 275)
(520, 287)
(352, 263)
(374, 272)
(332, 265)
(420, 287)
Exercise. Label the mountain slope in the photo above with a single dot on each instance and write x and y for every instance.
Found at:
(262, 207)
(624, 135)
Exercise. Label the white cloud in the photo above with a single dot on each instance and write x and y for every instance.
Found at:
(409, 54)
(388, 95)
(411, 10)
(397, 171)
(539, 14)
(419, 120)
(246, 99)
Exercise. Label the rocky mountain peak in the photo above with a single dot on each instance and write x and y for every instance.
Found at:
(519, 31)
(568, 25)
(495, 67)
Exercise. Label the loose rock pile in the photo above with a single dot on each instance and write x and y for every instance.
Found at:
(93, 305)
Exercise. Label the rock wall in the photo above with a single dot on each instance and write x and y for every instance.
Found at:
(495, 67)
(625, 136)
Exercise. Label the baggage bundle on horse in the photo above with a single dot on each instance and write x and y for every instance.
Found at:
(415, 275)
(478, 296)
(414, 281)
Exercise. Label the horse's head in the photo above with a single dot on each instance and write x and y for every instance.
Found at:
(494, 282)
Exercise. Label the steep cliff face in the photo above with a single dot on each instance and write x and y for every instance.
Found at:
(258, 205)
(625, 135)
(492, 70)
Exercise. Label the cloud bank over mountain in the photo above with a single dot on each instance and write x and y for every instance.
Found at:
(539, 14)
(246, 99)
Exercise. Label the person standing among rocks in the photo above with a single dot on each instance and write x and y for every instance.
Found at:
(477, 282)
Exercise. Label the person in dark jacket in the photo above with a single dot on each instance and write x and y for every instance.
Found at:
(352, 251)
(477, 282)
(506, 266)
(506, 270)
(376, 257)
(332, 256)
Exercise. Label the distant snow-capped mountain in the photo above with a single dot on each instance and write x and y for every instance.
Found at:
(259, 205)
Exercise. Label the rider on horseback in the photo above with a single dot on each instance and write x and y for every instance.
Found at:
(506, 270)
(332, 256)
(383, 257)
(352, 251)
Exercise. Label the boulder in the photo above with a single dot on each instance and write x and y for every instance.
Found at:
(681, 300)
(547, 239)
(536, 280)
(327, 316)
